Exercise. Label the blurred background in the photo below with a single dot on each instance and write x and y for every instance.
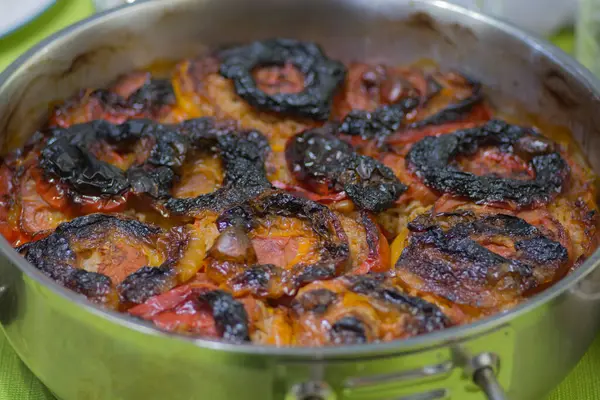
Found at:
(24, 22)
(569, 23)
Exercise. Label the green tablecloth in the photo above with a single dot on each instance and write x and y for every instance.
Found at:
(17, 383)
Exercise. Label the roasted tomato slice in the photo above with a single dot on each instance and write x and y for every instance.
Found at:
(483, 262)
(202, 91)
(276, 243)
(136, 95)
(432, 161)
(322, 76)
(360, 309)
(200, 309)
(325, 164)
(112, 259)
(426, 98)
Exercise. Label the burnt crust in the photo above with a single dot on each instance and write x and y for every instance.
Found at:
(344, 321)
(243, 157)
(429, 317)
(145, 283)
(272, 281)
(445, 254)
(322, 76)
(454, 111)
(55, 257)
(67, 156)
(377, 124)
(230, 315)
(324, 163)
(431, 160)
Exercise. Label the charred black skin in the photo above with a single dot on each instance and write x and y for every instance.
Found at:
(54, 257)
(454, 112)
(348, 330)
(480, 266)
(229, 314)
(322, 76)
(67, 156)
(318, 157)
(150, 96)
(335, 250)
(432, 156)
(145, 283)
(156, 92)
(429, 316)
(316, 301)
(245, 177)
(387, 119)
(377, 124)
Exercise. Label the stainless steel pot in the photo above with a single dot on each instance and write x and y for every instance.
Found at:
(83, 352)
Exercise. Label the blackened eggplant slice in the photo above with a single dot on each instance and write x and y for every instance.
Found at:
(324, 164)
(377, 124)
(485, 261)
(272, 281)
(68, 156)
(230, 315)
(243, 156)
(431, 158)
(101, 256)
(322, 76)
(361, 309)
(145, 283)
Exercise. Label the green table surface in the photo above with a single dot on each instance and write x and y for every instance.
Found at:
(18, 383)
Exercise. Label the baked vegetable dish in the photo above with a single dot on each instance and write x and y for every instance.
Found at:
(268, 193)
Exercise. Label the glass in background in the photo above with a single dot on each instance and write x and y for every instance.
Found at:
(587, 47)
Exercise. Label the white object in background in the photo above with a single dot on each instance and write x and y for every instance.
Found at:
(542, 17)
(16, 13)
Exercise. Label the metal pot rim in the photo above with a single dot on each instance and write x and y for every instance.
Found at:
(568, 65)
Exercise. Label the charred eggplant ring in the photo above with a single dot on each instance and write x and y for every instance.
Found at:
(322, 76)
(431, 160)
(361, 309)
(68, 156)
(243, 156)
(324, 164)
(485, 262)
(270, 280)
(105, 258)
(135, 95)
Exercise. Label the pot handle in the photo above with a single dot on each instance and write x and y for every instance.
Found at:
(485, 378)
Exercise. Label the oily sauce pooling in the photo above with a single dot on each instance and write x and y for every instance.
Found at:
(267, 193)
